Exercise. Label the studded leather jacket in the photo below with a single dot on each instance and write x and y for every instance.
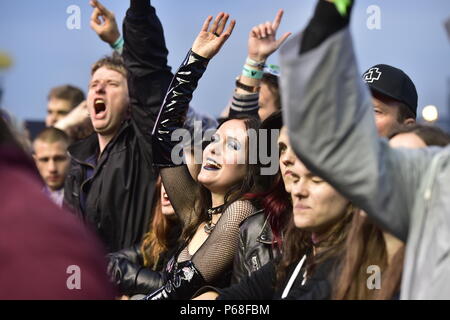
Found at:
(255, 247)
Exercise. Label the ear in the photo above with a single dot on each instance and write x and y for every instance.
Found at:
(409, 121)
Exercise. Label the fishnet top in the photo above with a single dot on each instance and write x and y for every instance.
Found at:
(216, 254)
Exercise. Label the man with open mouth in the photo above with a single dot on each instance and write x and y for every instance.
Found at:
(111, 180)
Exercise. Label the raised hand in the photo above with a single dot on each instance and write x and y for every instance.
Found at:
(104, 23)
(211, 39)
(262, 39)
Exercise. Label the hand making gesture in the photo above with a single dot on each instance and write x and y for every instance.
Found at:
(104, 23)
(262, 40)
(211, 38)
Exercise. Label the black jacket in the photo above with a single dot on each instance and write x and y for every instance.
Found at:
(118, 195)
(126, 268)
(260, 285)
(255, 246)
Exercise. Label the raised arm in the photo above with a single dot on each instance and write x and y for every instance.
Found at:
(145, 57)
(103, 22)
(331, 124)
(262, 43)
(176, 178)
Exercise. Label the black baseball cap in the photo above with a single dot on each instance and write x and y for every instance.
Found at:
(392, 82)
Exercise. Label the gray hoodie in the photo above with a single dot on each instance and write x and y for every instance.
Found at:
(328, 111)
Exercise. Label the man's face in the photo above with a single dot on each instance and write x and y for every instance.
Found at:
(52, 162)
(56, 110)
(107, 100)
(386, 116)
(266, 102)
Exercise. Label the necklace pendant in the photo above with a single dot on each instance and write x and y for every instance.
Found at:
(209, 227)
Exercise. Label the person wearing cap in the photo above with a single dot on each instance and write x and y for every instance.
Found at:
(329, 114)
(394, 98)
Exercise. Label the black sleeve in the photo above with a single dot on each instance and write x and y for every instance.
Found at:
(179, 184)
(258, 286)
(325, 22)
(132, 254)
(319, 286)
(240, 270)
(127, 272)
(145, 57)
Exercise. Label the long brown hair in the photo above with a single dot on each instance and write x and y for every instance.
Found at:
(298, 242)
(365, 247)
(236, 192)
(156, 240)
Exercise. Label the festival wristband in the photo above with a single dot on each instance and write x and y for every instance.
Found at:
(255, 64)
(118, 44)
(251, 73)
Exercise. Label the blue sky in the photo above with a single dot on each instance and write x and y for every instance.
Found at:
(46, 53)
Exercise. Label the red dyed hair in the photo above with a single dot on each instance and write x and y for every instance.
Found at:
(277, 206)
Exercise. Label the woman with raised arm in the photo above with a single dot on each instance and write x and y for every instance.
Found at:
(212, 208)
(261, 234)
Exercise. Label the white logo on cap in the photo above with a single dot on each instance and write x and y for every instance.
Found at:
(371, 75)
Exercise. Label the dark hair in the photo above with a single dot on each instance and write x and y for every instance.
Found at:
(272, 83)
(6, 135)
(114, 62)
(236, 192)
(365, 246)
(12, 133)
(52, 135)
(69, 93)
(274, 199)
(277, 206)
(298, 242)
(432, 136)
(404, 112)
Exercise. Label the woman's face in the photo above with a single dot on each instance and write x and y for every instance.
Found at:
(224, 159)
(166, 206)
(287, 159)
(316, 205)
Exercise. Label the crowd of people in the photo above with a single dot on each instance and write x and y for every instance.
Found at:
(356, 208)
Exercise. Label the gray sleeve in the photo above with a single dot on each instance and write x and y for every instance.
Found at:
(331, 125)
(244, 104)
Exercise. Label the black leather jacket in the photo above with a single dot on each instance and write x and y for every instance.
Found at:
(126, 270)
(255, 247)
(115, 195)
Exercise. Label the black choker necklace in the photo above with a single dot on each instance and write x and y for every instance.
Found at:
(209, 226)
